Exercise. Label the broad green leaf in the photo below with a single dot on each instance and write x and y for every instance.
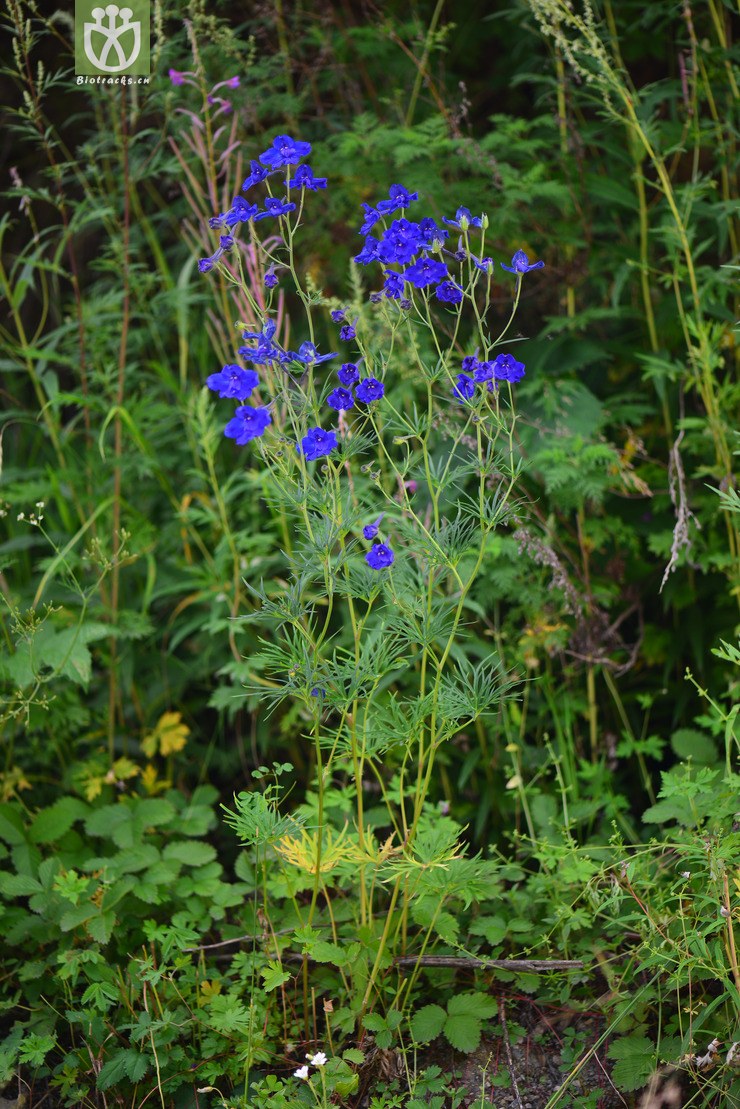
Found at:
(463, 1031)
(50, 824)
(427, 1023)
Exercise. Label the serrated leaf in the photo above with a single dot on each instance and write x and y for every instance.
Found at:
(50, 824)
(273, 976)
(463, 1031)
(19, 885)
(354, 1055)
(190, 854)
(325, 952)
(12, 829)
(427, 1023)
(101, 927)
(636, 1061)
(479, 1005)
(688, 743)
(128, 1064)
(374, 1022)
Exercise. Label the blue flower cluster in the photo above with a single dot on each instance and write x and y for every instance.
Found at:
(474, 372)
(284, 153)
(408, 244)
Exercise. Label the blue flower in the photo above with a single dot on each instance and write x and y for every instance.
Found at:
(371, 530)
(380, 557)
(206, 264)
(369, 252)
(256, 175)
(369, 389)
(317, 443)
(264, 352)
(464, 388)
(464, 220)
(372, 215)
(469, 363)
(239, 212)
(304, 179)
(485, 264)
(399, 198)
(307, 354)
(285, 152)
(348, 332)
(449, 292)
(393, 285)
(341, 399)
(275, 207)
(247, 423)
(506, 368)
(269, 328)
(521, 264)
(338, 314)
(426, 272)
(348, 374)
(232, 381)
(271, 277)
(430, 233)
(400, 242)
(484, 371)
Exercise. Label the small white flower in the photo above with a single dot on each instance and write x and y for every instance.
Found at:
(302, 1072)
(318, 1060)
(686, 874)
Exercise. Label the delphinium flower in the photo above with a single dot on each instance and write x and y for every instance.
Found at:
(348, 332)
(369, 390)
(400, 242)
(393, 285)
(380, 557)
(270, 280)
(341, 399)
(520, 263)
(304, 179)
(233, 381)
(257, 173)
(316, 443)
(247, 423)
(284, 151)
(338, 315)
(176, 77)
(449, 293)
(485, 264)
(430, 233)
(483, 372)
(348, 374)
(275, 207)
(426, 272)
(371, 530)
(308, 354)
(463, 219)
(506, 368)
(372, 216)
(399, 197)
(464, 388)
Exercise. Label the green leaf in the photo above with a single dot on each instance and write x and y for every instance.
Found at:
(128, 1064)
(50, 824)
(374, 1022)
(325, 952)
(189, 853)
(427, 1023)
(18, 885)
(463, 1031)
(480, 1005)
(274, 976)
(688, 743)
(101, 927)
(636, 1061)
(354, 1055)
(12, 829)
(35, 1048)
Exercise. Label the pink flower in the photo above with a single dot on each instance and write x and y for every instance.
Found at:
(176, 77)
(233, 82)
